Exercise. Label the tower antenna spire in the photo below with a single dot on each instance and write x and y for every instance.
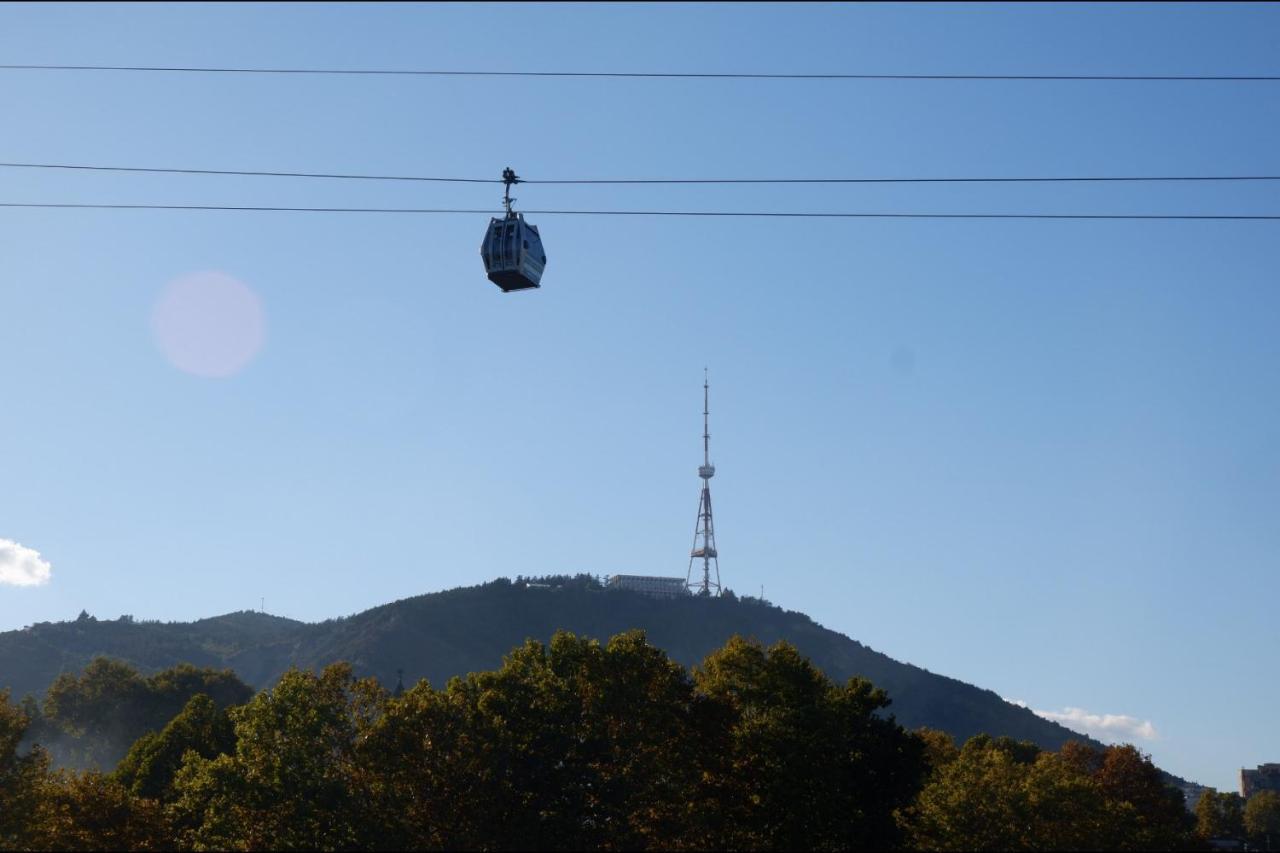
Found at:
(704, 532)
(706, 414)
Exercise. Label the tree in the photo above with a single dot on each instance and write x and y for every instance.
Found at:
(289, 783)
(92, 811)
(578, 745)
(1068, 807)
(22, 777)
(96, 710)
(570, 745)
(977, 800)
(638, 738)
(1000, 794)
(1145, 813)
(939, 749)
(566, 746)
(108, 706)
(170, 689)
(150, 765)
(1262, 820)
(1219, 815)
(209, 809)
(809, 764)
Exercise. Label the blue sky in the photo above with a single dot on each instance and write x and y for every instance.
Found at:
(1037, 456)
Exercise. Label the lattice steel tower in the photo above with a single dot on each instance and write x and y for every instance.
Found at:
(704, 532)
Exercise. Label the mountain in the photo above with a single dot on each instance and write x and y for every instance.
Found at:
(440, 635)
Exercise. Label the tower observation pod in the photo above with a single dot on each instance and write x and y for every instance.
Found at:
(512, 249)
(704, 532)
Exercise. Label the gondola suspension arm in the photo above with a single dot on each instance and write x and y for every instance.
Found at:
(509, 179)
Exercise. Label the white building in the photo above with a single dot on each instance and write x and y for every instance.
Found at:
(650, 585)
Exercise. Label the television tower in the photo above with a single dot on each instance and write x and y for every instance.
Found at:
(704, 532)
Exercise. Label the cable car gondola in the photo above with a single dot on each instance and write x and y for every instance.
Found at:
(512, 249)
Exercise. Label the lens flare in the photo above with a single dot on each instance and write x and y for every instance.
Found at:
(209, 324)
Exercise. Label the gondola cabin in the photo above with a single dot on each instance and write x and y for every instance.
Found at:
(513, 254)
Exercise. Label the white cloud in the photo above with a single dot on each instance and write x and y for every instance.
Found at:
(1109, 728)
(22, 566)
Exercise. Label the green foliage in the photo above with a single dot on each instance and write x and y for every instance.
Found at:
(1219, 815)
(92, 811)
(201, 727)
(568, 745)
(1147, 813)
(939, 749)
(1262, 819)
(998, 794)
(290, 784)
(95, 709)
(808, 764)
(90, 720)
(975, 801)
(571, 745)
(21, 777)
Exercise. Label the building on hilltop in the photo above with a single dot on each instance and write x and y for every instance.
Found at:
(650, 585)
(1264, 777)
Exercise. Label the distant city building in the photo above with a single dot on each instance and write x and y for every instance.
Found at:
(650, 585)
(1264, 777)
(1191, 794)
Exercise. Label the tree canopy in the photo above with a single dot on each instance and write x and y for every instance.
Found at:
(1262, 819)
(1219, 815)
(573, 744)
(92, 719)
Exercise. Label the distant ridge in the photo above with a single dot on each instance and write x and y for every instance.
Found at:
(440, 635)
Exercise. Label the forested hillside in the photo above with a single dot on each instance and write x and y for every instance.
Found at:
(441, 635)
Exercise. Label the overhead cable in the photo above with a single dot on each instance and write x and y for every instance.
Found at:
(678, 75)
(259, 174)
(613, 181)
(685, 213)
